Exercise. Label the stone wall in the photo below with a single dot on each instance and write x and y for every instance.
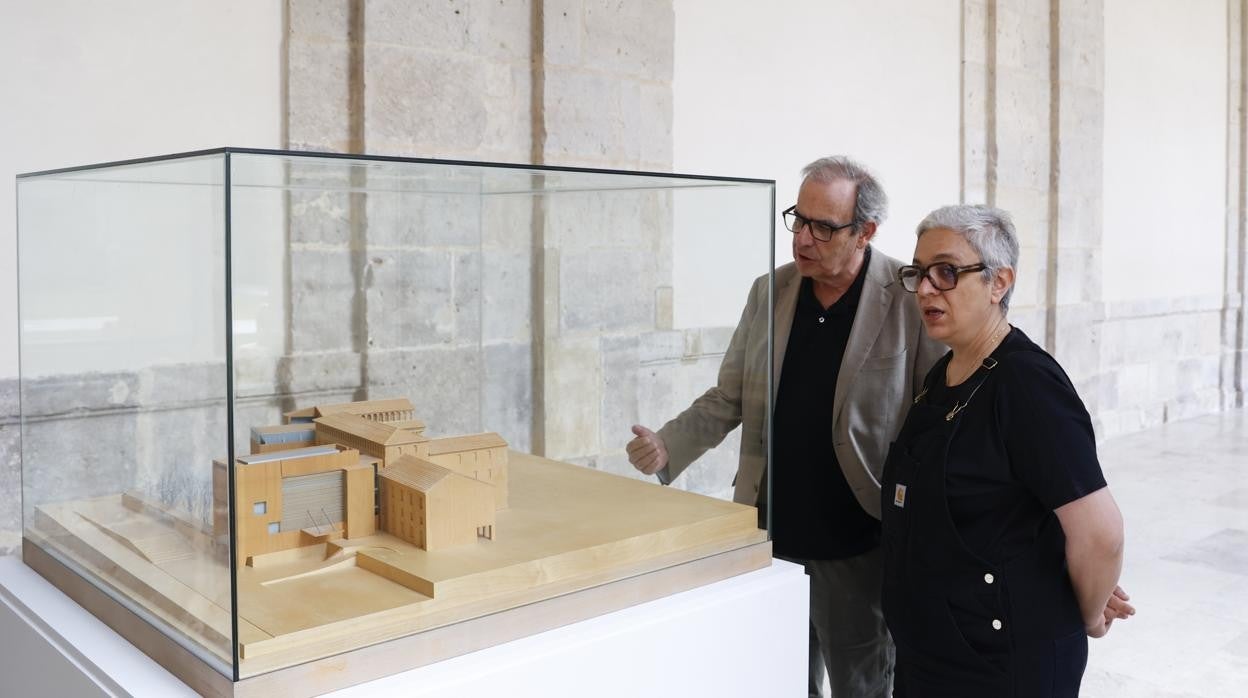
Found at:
(577, 319)
(538, 328)
(1033, 96)
(1161, 361)
(573, 284)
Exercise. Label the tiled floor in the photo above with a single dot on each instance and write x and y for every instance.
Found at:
(1183, 490)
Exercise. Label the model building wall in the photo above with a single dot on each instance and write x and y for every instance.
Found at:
(294, 497)
(479, 456)
(432, 507)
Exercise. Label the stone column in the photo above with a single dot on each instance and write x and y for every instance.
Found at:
(558, 82)
(607, 83)
(322, 87)
(1007, 136)
(605, 74)
(444, 80)
(1031, 134)
(978, 99)
(1234, 372)
(326, 224)
(1074, 299)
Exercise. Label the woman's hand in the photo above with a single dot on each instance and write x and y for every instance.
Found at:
(1116, 608)
(1094, 542)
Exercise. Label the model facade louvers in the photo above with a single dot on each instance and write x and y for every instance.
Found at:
(348, 470)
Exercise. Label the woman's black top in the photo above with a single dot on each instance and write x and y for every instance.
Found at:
(1025, 447)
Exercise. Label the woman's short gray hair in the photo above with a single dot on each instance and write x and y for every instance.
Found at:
(870, 201)
(990, 232)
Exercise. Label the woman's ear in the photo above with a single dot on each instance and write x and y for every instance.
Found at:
(1001, 282)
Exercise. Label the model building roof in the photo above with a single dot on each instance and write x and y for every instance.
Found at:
(400, 404)
(302, 416)
(392, 406)
(376, 432)
(288, 454)
(416, 473)
(470, 442)
(283, 433)
(413, 425)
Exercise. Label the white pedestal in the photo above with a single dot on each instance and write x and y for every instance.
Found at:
(743, 636)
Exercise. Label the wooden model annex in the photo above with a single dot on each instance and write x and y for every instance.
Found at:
(432, 507)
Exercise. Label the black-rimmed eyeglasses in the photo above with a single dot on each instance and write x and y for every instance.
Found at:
(943, 275)
(819, 230)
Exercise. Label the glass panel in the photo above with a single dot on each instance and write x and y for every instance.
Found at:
(544, 312)
(123, 380)
(432, 371)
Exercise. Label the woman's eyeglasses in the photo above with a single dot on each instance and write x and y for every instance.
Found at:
(943, 275)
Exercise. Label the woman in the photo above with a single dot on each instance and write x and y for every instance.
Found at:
(1002, 543)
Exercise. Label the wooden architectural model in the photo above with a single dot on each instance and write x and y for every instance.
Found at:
(353, 528)
(369, 466)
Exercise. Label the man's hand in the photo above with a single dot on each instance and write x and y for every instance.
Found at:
(647, 452)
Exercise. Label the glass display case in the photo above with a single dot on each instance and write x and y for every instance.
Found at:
(281, 406)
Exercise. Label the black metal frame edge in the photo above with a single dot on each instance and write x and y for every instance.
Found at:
(388, 158)
(229, 422)
(771, 358)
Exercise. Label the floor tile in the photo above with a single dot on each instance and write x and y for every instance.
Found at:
(1183, 491)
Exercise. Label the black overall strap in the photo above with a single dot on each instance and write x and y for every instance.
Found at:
(988, 364)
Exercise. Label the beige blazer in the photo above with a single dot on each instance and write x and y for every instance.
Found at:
(887, 355)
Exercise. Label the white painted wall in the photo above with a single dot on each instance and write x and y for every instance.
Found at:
(87, 82)
(758, 92)
(1165, 149)
(761, 89)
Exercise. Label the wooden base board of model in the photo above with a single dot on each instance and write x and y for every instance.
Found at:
(568, 530)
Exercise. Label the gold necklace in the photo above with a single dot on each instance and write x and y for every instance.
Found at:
(992, 345)
(987, 362)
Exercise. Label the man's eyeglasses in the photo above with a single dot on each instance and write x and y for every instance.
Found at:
(819, 230)
(943, 275)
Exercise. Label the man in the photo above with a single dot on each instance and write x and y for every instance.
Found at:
(850, 351)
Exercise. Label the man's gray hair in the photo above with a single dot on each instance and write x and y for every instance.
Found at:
(870, 201)
(990, 232)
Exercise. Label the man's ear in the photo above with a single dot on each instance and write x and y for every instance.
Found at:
(866, 232)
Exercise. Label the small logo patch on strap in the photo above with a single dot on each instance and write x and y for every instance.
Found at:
(899, 496)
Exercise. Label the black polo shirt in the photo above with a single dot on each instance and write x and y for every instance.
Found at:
(814, 513)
